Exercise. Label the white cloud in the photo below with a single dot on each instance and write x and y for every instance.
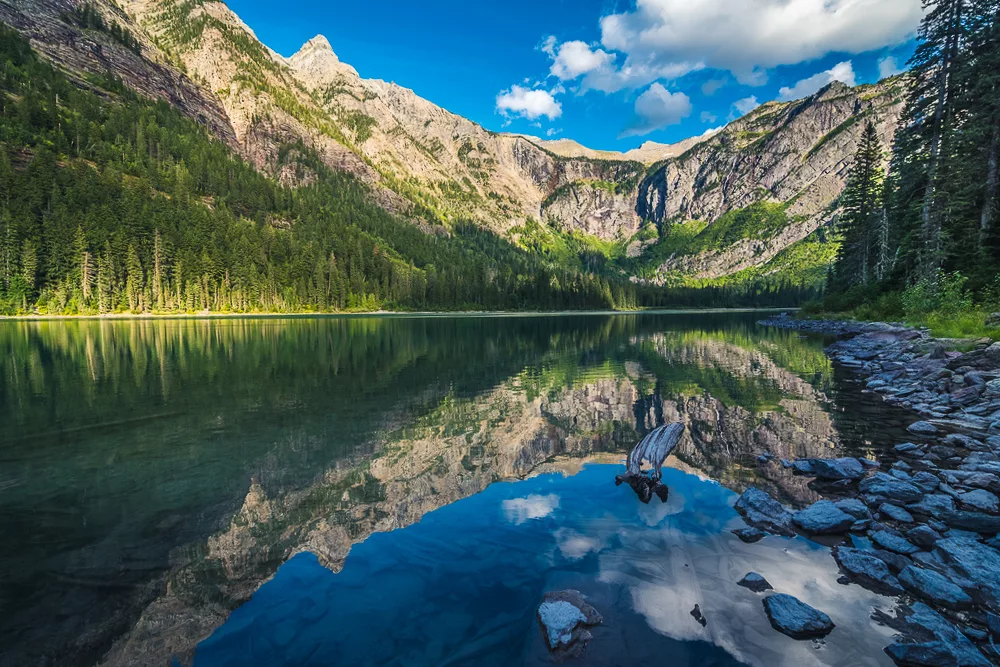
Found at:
(708, 117)
(522, 102)
(746, 105)
(749, 37)
(887, 67)
(520, 510)
(843, 72)
(576, 58)
(657, 108)
(551, 132)
(712, 86)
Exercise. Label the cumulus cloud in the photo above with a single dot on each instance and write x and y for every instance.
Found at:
(573, 59)
(708, 117)
(521, 102)
(749, 37)
(657, 108)
(746, 105)
(843, 72)
(520, 510)
(887, 67)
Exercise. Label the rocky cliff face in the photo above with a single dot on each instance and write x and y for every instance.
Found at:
(797, 153)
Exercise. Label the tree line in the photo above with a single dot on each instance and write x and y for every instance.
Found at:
(112, 203)
(920, 225)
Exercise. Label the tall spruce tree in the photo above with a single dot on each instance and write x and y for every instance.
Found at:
(860, 251)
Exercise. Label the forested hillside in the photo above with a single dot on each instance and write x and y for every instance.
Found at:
(112, 203)
(920, 238)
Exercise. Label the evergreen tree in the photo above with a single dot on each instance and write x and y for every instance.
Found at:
(860, 250)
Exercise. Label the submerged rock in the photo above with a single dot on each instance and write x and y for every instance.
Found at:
(698, 616)
(867, 570)
(749, 534)
(764, 512)
(795, 618)
(823, 518)
(754, 582)
(565, 616)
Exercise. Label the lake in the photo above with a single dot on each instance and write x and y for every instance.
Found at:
(404, 490)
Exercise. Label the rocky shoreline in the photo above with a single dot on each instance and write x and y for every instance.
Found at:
(922, 523)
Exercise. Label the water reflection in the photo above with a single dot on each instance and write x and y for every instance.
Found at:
(156, 473)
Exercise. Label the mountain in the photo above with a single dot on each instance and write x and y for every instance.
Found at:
(743, 204)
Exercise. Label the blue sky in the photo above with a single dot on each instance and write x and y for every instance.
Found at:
(610, 75)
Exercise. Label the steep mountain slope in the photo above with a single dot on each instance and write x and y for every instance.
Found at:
(795, 153)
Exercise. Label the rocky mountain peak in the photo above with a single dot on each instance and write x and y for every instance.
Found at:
(318, 64)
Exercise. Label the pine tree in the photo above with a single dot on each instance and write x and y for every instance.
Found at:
(861, 201)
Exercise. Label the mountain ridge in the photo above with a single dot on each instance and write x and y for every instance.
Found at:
(437, 168)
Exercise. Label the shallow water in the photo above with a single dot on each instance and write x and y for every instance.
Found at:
(381, 490)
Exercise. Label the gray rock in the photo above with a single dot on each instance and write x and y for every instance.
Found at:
(823, 518)
(881, 484)
(854, 507)
(867, 570)
(982, 500)
(895, 513)
(974, 561)
(922, 428)
(869, 463)
(755, 582)
(834, 469)
(937, 642)
(926, 481)
(896, 562)
(749, 534)
(923, 536)
(935, 587)
(907, 449)
(764, 512)
(796, 619)
(861, 526)
(895, 543)
(803, 466)
(564, 616)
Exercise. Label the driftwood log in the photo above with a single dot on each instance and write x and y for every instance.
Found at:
(653, 449)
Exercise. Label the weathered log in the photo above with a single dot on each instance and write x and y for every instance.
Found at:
(654, 449)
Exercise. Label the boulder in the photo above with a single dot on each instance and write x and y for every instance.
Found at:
(823, 518)
(981, 500)
(934, 587)
(854, 507)
(764, 512)
(923, 536)
(867, 570)
(796, 619)
(565, 617)
(881, 484)
(933, 641)
(834, 469)
(975, 561)
(895, 513)
(922, 428)
(895, 543)
(754, 582)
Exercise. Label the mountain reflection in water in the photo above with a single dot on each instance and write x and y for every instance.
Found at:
(157, 473)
